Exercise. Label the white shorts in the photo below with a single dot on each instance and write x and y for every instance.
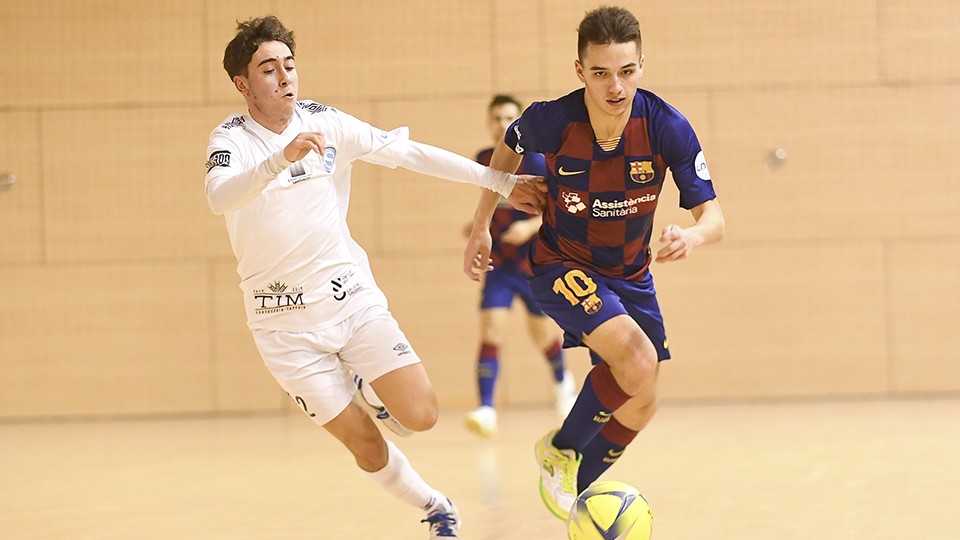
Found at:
(313, 366)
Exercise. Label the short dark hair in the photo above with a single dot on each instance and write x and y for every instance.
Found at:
(250, 34)
(503, 99)
(605, 25)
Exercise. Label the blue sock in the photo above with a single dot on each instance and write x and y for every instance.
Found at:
(554, 354)
(488, 367)
(603, 451)
(598, 399)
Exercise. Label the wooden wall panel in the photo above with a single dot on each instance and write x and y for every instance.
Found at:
(422, 214)
(132, 187)
(242, 381)
(517, 46)
(919, 40)
(734, 44)
(433, 301)
(860, 163)
(924, 307)
(775, 320)
(372, 49)
(822, 286)
(21, 209)
(106, 340)
(102, 52)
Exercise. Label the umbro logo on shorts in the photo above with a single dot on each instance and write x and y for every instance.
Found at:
(402, 349)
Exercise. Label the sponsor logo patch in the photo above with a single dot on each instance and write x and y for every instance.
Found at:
(572, 202)
(700, 165)
(220, 158)
(277, 297)
(329, 158)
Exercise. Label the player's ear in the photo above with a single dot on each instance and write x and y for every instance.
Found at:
(579, 67)
(241, 83)
(640, 66)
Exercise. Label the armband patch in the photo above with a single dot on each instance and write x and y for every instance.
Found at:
(220, 158)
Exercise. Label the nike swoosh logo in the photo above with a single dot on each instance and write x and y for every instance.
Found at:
(562, 172)
(614, 454)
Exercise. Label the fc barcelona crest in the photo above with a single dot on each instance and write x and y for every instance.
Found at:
(642, 172)
(592, 304)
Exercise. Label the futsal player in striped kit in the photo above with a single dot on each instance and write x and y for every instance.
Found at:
(608, 147)
(511, 230)
(280, 175)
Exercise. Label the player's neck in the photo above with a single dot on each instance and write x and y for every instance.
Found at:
(275, 123)
(606, 126)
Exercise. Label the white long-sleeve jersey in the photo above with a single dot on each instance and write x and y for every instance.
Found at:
(300, 270)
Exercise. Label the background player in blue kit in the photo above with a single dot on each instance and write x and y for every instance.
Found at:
(608, 147)
(511, 231)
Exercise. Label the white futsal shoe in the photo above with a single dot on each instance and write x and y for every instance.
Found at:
(564, 395)
(482, 421)
(443, 519)
(368, 398)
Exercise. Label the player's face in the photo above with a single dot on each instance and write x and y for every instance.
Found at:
(611, 73)
(270, 86)
(499, 119)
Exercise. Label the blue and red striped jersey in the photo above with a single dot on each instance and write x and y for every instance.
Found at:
(600, 208)
(507, 256)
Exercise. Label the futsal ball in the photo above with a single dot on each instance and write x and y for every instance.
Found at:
(610, 510)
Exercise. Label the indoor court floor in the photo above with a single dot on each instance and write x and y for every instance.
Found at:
(844, 470)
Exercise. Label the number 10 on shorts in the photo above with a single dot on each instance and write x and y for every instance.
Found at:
(579, 288)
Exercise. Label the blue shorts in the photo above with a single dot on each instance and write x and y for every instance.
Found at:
(500, 286)
(580, 301)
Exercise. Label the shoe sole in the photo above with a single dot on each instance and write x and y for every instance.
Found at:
(547, 499)
(551, 505)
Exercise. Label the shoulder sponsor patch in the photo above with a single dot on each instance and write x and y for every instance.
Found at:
(220, 158)
(700, 165)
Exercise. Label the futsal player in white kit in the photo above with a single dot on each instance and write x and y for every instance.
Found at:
(280, 174)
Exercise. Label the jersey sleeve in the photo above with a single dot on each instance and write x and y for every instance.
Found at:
(684, 157)
(523, 135)
(533, 164)
(230, 182)
(367, 143)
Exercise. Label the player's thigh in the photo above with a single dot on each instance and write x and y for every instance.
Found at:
(621, 341)
(380, 353)
(308, 369)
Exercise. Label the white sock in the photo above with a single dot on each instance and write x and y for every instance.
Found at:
(400, 479)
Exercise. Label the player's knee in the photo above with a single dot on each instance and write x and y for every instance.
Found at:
(420, 417)
(640, 370)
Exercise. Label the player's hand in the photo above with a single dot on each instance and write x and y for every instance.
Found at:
(521, 231)
(476, 257)
(302, 144)
(529, 194)
(679, 243)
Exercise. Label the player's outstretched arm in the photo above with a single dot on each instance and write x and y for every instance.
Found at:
(680, 241)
